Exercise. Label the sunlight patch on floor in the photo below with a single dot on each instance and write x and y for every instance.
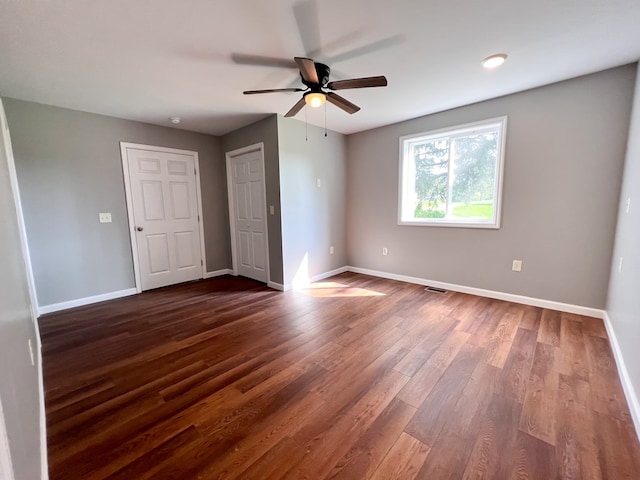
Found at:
(334, 289)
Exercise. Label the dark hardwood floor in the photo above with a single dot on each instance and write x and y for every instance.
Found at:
(355, 378)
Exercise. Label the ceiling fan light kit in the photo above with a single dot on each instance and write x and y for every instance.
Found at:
(315, 99)
(315, 76)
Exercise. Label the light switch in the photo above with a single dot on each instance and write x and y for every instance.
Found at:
(104, 217)
(318, 183)
(272, 210)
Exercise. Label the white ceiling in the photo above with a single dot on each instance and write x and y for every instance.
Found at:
(148, 60)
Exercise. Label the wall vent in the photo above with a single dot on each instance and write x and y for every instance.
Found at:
(435, 290)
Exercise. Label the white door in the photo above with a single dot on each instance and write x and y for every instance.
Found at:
(165, 216)
(249, 213)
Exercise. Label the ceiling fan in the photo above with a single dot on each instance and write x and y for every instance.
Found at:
(315, 76)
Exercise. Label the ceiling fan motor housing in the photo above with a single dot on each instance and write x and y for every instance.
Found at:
(323, 71)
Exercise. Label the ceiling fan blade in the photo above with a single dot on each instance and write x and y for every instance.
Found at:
(365, 82)
(366, 49)
(306, 14)
(307, 69)
(273, 90)
(262, 61)
(296, 108)
(342, 103)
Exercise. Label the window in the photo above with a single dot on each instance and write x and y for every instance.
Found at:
(453, 177)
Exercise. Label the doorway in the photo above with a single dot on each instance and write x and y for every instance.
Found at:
(165, 214)
(247, 212)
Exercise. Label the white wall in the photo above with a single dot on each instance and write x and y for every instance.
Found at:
(313, 218)
(20, 382)
(565, 149)
(69, 169)
(266, 132)
(623, 305)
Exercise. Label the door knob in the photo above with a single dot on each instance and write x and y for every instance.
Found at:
(139, 229)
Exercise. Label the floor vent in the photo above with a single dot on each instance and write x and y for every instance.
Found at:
(435, 290)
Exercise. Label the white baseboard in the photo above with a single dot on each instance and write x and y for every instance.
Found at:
(278, 286)
(629, 391)
(509, 297)
(85, 301)
(44, 455)
(328, 274)
(109, 296)
(316, 278)
(218, 273)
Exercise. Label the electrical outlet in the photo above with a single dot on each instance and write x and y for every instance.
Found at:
(620, 265)
(331, 250)
(104, 217)
(318, 183)
(385, 251)
(272, 210)
(516, 266)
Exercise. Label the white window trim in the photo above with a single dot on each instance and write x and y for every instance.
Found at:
(499, 174)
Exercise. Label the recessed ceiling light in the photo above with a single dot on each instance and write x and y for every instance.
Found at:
(175, 120)
(494, 60)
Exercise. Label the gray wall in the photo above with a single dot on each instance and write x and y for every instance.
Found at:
(69, 169)
(265, 131)
(19, 391)
(623, 304)
(563, 167)
(313, 219)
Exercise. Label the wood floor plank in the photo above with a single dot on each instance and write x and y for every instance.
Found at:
(486, 323)
(323, 452)
(438, 407)
(428, 375)
(452, 445)
(594, 326)
(276, 462)
(607, 396)
(364, 457)
(280, 417)
(501, 340)
(496, 440)
(226, 378)
(617, 448)
(518, 364)
(403, 460)
(573, 360)
(549, 331)
(538, 412)
(533, 459)
(424, 343)
(531, 318)
(577, 456)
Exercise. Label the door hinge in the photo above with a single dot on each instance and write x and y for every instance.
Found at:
(198, 218)
(202, 263)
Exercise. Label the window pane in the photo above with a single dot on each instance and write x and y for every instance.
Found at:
(474, 173)
(452, 177)
(432, 178)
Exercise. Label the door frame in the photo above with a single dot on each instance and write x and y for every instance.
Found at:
(129, 200)
(257, 147)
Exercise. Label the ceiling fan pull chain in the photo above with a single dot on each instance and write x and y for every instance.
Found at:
(325, 119)
(306, 126)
